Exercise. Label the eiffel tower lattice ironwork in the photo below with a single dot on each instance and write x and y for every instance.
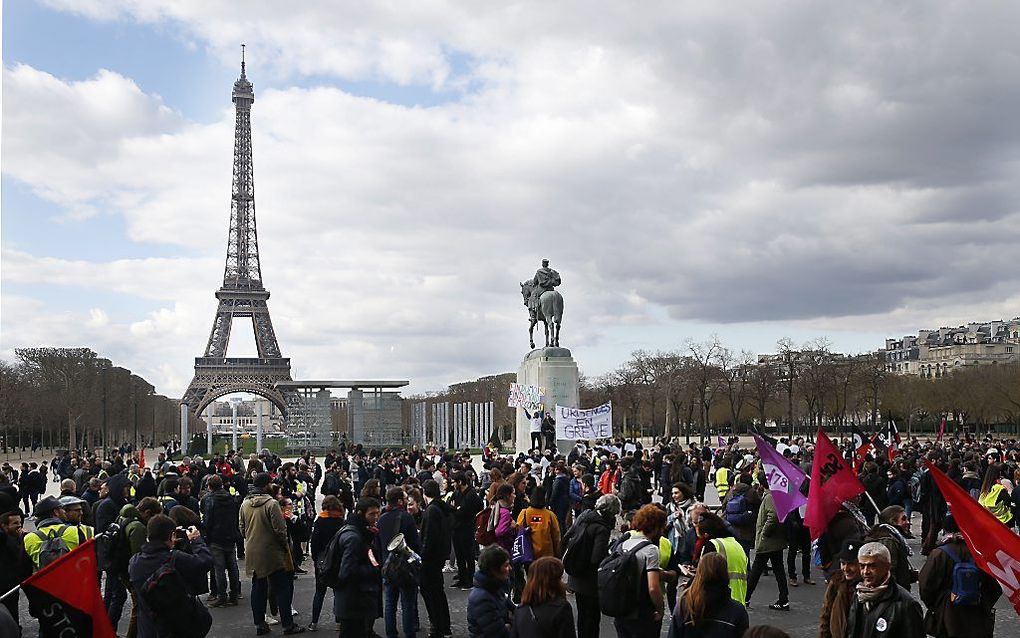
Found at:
(242, 294)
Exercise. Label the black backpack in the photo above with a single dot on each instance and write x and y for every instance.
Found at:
(179, 613)
(620, 582)
(53, 547)
(579, 546)
(398, 571)
(113, 550)
(327, 565)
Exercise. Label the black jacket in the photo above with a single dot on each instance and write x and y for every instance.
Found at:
(436, 534)
(358, 581)
(324, 528)
(109, 508)
(392, 522)
(724, 617)
(15, 564)
(219, 513)
(193, 568)
(468, 505)
(597, 527)
(945, 619)
(899, 610)
(489, 608)
(554, 619)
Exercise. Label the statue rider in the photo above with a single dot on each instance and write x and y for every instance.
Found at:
(544, 281)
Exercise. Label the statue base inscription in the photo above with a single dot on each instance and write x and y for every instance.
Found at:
(556, 371)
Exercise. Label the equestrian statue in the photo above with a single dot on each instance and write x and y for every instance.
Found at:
(544, 304)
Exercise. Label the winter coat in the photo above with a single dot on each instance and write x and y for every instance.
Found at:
(193, 568)
(220, 515)
(398, 521)
(898, 550)
(436, 532)
(134, 529)
(467, 504)
(559, 503)
(324, 529)
(897, 493)
(505, 529)
(724, 617)
(489, 608)
(109, 508)
(358, 581)
(266, 547)
(770, 535)
(896, 607)
(554, 619)
(875, 484)
(836, 606)
(545, 531)
(15, 564)
(597, 527)
(944, 619)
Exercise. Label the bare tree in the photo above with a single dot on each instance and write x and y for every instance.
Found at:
(704, 359)
(737, 372)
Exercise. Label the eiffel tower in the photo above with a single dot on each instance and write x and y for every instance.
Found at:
(242, 293)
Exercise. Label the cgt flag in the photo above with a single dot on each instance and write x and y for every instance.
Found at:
(832, 482)
(995, 548)
(67, 597)
(784, 479)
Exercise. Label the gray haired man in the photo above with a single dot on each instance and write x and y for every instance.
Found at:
(880, 607)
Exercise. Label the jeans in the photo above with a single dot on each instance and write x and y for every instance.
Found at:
(434, 594)
(282, 584)
(408, 597)
(132, 630)
(114, 597)
(800, 540)
(589, 615)
(224, 566)
(776, 560)
(319, 598)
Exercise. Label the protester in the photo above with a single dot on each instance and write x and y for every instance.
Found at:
(957, 608)
(714, 536)
(879, 603)
(400, 575)
(706, 608)
(840, 591)
(648, 524)
(544, 526)
(769, 543)
(15, 563)
(358, 580)
(994, 496)
(467, 505)
(267, 556)
(192, 568)
(489, 609)
(220, 516)
(436, 541)
(891, 531)
(544, 610)
(588, 537)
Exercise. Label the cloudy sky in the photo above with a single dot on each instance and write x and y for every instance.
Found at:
(782, 169)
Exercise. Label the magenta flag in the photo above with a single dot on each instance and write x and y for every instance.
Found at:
(783, 476)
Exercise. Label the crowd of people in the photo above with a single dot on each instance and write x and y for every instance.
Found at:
(623, 529)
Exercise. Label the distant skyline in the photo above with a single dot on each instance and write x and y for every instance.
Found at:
(794, 170)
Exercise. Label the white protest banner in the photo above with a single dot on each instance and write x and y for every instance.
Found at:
(528, 397)
(573, 424)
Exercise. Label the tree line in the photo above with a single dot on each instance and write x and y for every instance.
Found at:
(73, 398)
(705, 388)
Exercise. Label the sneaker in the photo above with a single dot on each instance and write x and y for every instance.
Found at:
(793, 582)
(808, 581)
(449, 569)
(780, 606)
(313, 626)
(216, 602)
(293, 629)
(272, 621)
(294, 612)
(262, 630)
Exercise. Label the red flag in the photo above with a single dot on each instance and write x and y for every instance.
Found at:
(832, 482)
(942, 430)
(894, 440)
(67, 592)
(995, 548)
(141, 458)
(859, 455)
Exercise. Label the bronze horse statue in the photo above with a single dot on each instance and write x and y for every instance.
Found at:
(549, 312)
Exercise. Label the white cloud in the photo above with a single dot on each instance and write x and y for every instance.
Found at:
(845, 169)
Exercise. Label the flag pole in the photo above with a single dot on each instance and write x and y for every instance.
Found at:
(873, 504)
(16, 588)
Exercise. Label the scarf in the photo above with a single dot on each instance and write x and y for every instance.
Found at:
(868, 595)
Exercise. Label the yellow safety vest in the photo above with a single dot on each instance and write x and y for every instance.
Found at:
(722, 482)
(736, 565)
(73, 536)
(1000, 510)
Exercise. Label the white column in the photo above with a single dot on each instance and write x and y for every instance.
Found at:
(184, 429)
(258, 430)
(208, 433)
(233, 424)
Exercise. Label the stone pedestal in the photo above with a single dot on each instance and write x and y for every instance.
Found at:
(556, 371)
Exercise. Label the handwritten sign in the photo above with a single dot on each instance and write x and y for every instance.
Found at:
(573, 424)
(529, 397)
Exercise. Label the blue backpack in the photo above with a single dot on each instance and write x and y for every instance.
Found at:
(736, 512)
(966, 588)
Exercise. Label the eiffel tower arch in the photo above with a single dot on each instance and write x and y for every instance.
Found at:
(242, 294)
